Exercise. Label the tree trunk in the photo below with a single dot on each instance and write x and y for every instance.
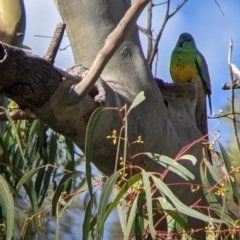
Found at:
(165, 120)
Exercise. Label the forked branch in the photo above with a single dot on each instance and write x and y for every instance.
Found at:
(114, 40)
(167, 17)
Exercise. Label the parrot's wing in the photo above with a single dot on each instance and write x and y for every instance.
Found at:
(171, 63)
(204, 74)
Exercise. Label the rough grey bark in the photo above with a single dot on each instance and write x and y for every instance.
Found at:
(165, 120)
(12, 29)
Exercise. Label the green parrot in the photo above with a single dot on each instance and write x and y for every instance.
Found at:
(186, 64)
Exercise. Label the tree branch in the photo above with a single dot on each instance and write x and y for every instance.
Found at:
(166, 18)
(112, 43)
(18, 68)
(236, 83)
(55, 43)
(149, 29)
(18, 115)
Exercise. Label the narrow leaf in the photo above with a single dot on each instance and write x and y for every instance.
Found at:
(164, 190)
(131, 217)
(189, 157)
(228, 165)
(28, 176)
(87, 219)
(60, 189)
(16, 135)
(89, 145)
(120, 194)
(217, 207)
(103, 202)
(167, 206)
(138, 99)
(7, 205)
(173, 165)
(148, 193)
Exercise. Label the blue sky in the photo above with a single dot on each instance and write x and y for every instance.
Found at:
(202, 19)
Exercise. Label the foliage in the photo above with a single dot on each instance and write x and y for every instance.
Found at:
(39, 163)
(39, 166)
(33, 159)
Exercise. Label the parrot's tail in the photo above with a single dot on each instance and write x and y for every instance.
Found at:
(201, 120)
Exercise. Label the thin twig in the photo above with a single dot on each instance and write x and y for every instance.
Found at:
(18, 115)
(144, 31)
(158, 4)
(149, 29)
(155, 47)
(156, 62)
(55, 43)
(232, 119)
(42, 36)
(177, 8)
(112, 43)
(232, 94)
(166, 18)
(219, 7)
(64, 48)
(222, 115)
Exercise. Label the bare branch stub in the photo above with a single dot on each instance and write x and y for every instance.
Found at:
(236, 83)
(55, 43)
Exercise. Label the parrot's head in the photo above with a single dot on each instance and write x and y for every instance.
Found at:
(186, 39)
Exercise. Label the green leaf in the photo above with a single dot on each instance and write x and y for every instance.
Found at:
(171, 164)
(189, 157)
(164, 190)
(60, 188)
(69, 203)
(215, 174)
(138, 99)
(52, 154)
(125, 149)
(103, 202)
(16, 136)
(217, 207)
(139, 219)
(228, 165)
(148, 193)
(56, 237)
(167, 206)
(131, 181)
(131, 218)
(28, 176)
(33, 200)
(89, 145)
(180, 220)
(87, 219)
(181, 225)
(7, 205)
